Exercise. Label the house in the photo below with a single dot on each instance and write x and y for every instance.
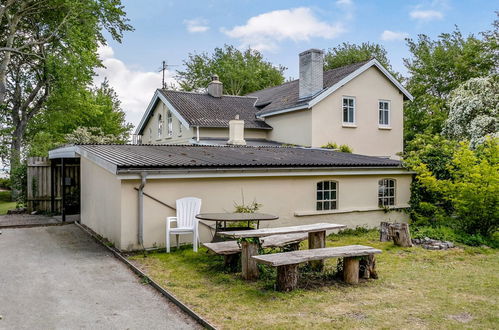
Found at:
(224, 148)
(360, 105)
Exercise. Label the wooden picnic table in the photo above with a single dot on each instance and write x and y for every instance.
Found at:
(220, 218)
(249, 247)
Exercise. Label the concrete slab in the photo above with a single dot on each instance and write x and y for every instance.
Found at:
(29, 220)
(59, 278)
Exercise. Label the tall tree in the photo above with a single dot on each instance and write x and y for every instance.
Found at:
(241, 72)
(48, 44)
(437, 67)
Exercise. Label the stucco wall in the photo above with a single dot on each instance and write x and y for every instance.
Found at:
(224, 133)
(101, 201)
(283, 196)
(292, 128)
(367, 137)
(152, 126)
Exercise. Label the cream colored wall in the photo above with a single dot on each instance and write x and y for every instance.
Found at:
(283, 196)
(366, 138)
(177, 136)
(224, 133)
(101, 201)
(292, 128)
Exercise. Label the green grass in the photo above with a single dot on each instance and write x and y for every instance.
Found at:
(417, 288)
(5, 202)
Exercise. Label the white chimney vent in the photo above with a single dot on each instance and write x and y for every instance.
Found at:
(215, 87)
(236, 132)
(311, 72)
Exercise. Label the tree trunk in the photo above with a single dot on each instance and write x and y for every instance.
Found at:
(384, 232)
(15, 157)
(367, 267)
(248, 264)
(351, 270)
(287, 277)
(400, 234)
(317, 241)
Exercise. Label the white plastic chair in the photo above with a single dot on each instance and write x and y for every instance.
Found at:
(187, 209)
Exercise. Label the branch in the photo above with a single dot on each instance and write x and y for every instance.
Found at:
(16, 50)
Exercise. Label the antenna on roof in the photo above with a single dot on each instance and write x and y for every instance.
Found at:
(163, 68)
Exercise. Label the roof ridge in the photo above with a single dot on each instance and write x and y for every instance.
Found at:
(196, 93)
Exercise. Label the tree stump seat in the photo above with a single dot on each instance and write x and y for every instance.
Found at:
(287, 262)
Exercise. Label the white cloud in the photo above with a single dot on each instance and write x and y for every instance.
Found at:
(196, 25)
(263, 32)
(388, 35)
(344, 2)
(134, 88)
(426, 15)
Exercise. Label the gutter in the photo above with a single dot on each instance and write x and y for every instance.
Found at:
(141, 208)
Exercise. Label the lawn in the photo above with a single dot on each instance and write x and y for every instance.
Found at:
(417, 288)
(5, 202)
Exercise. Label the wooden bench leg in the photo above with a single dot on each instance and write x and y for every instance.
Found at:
(317, 241)
(231, 262)
(248, 264)
(368, 267)
(351, 270)
(287, 277)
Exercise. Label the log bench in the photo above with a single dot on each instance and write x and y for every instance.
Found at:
(231, 249)
(287, 262)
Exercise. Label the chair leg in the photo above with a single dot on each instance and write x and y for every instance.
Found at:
(167, 242)
(195, 242)
(178, 244)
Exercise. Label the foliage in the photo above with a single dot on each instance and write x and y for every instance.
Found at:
(330, 145)
(5, 183)
(95, 135)
(444, 233)
(341, 148)
(19, 183)
(6, 202)
(247, 208)
(474, 110)
(241, 72)
(468, 183)
(346, 148)
(357, 231)
(436, 67)
(348, 53)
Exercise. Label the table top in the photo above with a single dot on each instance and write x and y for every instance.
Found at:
(236, 216)
(316, 227)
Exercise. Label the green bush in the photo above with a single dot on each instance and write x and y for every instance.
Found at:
(330, 145)
(443, 233)
(346, 148)
(19, 184)
(5, 183)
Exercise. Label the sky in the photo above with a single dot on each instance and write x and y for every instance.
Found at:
(169, 30)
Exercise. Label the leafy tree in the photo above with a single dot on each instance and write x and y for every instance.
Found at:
(90, 135)
(241, 72)
(474, 110)
(348, 53)
(47, 44)
(437, 67)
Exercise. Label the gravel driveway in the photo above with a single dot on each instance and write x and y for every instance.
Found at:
(59, 278)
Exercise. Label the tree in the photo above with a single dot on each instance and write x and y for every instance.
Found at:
(474, 110)
(437, 67)
(241, 72)
(48, 44)
(348, 53)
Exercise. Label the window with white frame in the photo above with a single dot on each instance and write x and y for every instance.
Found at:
(150, 134)
(384, 113)
(327, 198)
(348, 110)
(386, 192)
(169, 122)
(160, 125)
(179, 128)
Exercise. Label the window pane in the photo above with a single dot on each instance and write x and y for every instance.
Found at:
(345, 114)
(350, 102)
(327, 206)
(345, 102)
(319, 185)
(326, 185)
(326, 195)
(333, 194)
(333, 185)
(333, 205)
(386, 105)
(350, 115)
(385, 121)
(319, 206)
(319, 195)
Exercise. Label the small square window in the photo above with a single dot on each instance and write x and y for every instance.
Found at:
(386, 192)
(326, 195)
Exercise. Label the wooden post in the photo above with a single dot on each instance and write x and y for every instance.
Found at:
(367, 268)
(231, 261)
(248, 264)
(399, 232)
(287, 277)
(351, 270)
(317, 240)
(384, 232)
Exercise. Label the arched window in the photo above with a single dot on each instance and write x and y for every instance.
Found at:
(386, 192)
(327, 195)
(169, 122)
(160, 125)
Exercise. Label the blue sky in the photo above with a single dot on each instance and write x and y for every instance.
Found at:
(170, 30)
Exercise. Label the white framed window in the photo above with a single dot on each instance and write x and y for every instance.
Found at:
(384, 113)
(348, 110)
(160, 125)
(386, 192)
(179, 128)
(150, 134)
(169, 122)
(327, 195)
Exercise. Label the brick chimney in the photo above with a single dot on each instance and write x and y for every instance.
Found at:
(236, 132)
(311, 72)
(215, 87)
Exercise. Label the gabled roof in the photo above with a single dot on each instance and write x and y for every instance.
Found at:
(155, 157)
(204, 110)
(285, 98)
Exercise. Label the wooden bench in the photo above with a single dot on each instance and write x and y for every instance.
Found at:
(287, 262)
(231, 249)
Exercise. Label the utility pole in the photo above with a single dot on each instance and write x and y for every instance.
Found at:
(163, 69)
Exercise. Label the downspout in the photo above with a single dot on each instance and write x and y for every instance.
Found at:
(197, 133)
(141, 209)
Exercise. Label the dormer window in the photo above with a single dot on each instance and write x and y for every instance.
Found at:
(348, 111)
(169, 122)
(160, 125)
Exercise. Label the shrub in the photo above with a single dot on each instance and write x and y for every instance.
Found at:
(330, 145)
(5, 183)
(443, 233)
(346, 148)
(19, 184)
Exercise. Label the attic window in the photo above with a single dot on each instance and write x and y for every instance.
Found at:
(169, 121)
(349, 110)
(160, 125)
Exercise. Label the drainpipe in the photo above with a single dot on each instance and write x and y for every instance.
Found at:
(141, 209)
(197, 133)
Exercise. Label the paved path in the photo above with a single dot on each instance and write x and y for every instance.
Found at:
(59, 278)
(27, 220)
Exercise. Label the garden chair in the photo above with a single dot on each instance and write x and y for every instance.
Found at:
(187, 209)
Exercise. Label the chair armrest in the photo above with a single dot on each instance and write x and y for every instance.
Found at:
(171, 219)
